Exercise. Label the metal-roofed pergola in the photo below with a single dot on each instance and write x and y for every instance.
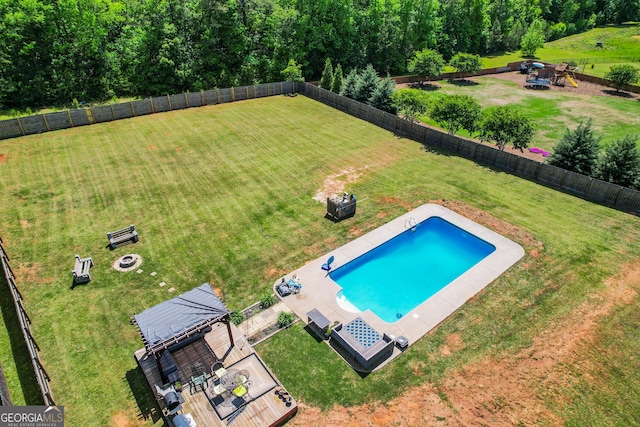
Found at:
(177, 319)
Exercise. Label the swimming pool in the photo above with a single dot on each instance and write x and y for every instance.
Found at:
(395, 277)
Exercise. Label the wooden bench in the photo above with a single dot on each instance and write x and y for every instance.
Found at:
(122, 237)
(81, 270)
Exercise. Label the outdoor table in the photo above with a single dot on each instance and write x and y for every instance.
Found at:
(234, 378)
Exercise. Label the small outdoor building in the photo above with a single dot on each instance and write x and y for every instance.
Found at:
(188, 343)
(181, 318)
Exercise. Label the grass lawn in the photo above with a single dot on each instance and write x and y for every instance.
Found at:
(224, 194)
(618, 42)
(551, 111)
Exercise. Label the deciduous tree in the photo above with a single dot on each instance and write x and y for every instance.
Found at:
(505, 125)
(412, 103)
(455, 112)
(426, 63)
(466, 63)
(622, 75)
(533, 39)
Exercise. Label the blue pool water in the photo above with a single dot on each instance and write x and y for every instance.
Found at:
(397, 276)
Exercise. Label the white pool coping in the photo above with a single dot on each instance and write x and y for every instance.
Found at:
(319, 291)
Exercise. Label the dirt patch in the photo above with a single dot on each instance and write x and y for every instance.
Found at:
(124, 419)
(3, 157)
(178, 149)
(151, 147)
(502, 391)
(30, 273)
(335, 184)
(24, 223)
(531, 245)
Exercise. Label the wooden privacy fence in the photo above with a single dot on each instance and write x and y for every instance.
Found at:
(579, 185)
(41, 374)
(85, 116)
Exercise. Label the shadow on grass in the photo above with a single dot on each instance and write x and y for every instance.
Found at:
(427, 87)
(145, 400)
(463, 82)
(311, 332)
(26, 374)
(621, 94)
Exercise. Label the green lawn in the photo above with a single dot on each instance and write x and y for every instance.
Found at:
(618, 42)
(224, 194)
(551, 111)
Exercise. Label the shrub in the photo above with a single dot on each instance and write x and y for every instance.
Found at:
(267, 301)
(285, 319)
(237, 317)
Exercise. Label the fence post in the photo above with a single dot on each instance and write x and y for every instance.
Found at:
(218, 95)
(113, 113)
(233, 94)
(169, 101)
(254, 92)
(20, 124)
(202, 97)
(615, 202)
(70, 118)
(153, 109)
(186, 99)
(44, 119)
(133, 110)
(246, 90)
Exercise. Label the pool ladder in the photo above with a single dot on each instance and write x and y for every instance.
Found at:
(411, 223)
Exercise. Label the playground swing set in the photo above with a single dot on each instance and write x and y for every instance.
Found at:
(539, 76)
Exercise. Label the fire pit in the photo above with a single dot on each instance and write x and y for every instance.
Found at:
(127, 262)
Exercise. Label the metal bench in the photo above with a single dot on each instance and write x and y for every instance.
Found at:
(122, 237)
(81, 270)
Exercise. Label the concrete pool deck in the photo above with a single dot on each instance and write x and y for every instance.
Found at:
(319, 291)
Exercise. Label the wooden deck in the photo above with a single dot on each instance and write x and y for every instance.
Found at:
(263, 407)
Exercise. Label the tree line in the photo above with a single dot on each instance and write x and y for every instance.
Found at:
(54, 51)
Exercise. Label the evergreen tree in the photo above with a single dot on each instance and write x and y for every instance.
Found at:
(350, 84)
(577, 151)
(620, 163)
(338, 81)
(381, 96)
(327, 75)
(366, 84)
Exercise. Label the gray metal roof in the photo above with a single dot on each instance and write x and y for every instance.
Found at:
(170, 318)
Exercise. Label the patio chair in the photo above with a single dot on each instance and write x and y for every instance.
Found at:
(219, 389)
(240, 391)
(327, 265)
(198, 378)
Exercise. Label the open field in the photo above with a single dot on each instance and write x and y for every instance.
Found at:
(620, 41)
(553, 110)
(224, 194)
